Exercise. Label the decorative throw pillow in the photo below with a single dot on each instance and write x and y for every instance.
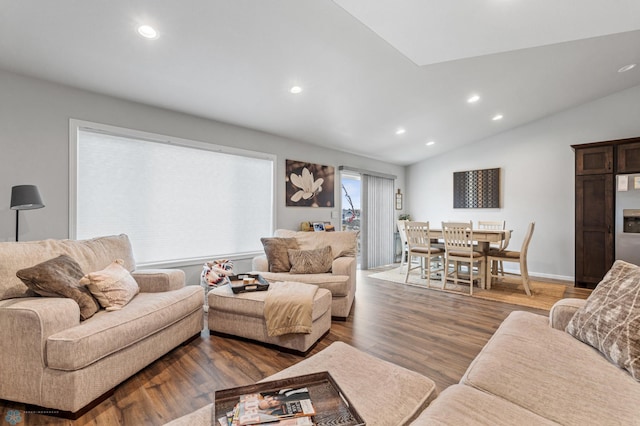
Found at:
(317, 261)
(276, 250)
(114, 286)
(610, 319)
(60, 277)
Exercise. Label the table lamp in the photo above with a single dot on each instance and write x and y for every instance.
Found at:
(25, 197)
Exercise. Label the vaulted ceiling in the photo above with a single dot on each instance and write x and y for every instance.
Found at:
(367, 69)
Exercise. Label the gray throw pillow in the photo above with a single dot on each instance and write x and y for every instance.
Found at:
(60, 277)
(317, 261)
(276, 250)
(610, 319)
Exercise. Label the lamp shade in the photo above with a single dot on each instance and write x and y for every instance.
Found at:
(25, 197)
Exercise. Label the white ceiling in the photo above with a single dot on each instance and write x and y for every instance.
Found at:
(367, 68)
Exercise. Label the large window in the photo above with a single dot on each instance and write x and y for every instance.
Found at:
(177, 200)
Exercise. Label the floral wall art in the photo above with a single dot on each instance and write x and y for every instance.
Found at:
(309, 185)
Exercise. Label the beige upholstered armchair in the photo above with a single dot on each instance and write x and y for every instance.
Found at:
(340, 275)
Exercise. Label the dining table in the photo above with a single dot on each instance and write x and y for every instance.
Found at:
(483, 239)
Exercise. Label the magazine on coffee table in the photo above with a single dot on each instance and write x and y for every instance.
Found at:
(266, 407)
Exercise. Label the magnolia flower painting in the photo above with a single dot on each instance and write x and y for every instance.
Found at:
(309, 185)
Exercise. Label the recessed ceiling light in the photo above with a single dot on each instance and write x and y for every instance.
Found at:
(400, 131)
(295, 90)
(473, 99)
(627, 68)
(497, 117)
(430, 143)
(147, 31)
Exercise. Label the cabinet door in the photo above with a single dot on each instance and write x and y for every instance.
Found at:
(629, 158)
(595, 160)
(594, 228)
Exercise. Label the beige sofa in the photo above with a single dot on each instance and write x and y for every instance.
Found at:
(341, 281)
(49, 358)
(531, 372)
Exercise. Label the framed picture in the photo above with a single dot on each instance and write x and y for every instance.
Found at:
(318, 226)
(308, 184)
(399, 200)
(476, 189)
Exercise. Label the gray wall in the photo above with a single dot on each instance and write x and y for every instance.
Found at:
(34, 149)
(537, 165)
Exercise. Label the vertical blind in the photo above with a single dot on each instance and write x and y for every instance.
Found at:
(378, 221)
(175, 202)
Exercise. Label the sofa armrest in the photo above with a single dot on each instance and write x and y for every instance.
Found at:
(562, 311)
(159, 280)
(260, 263)
(26, 324)
(343, 266)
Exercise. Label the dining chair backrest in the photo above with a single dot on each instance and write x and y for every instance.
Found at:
(402, 232)
(496, 225)
(527, 240)
(417, 234)
(458, 236)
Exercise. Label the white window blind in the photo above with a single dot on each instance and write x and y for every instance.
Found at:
(175, 200)
(378, 221)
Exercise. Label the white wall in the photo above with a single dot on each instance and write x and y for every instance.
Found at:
(34, 149)
(537, 165)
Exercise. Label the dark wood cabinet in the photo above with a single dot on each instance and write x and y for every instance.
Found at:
(594, 228)
(596, 166)
(629, 158)
(594, 161)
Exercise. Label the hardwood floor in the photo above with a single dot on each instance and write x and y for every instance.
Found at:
(434, 333)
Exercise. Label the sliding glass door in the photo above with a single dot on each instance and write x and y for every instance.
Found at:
(368, 208)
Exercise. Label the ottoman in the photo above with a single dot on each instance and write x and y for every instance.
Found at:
(242, 315)
(384, 394)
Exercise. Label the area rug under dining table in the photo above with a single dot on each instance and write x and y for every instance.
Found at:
(544, 295)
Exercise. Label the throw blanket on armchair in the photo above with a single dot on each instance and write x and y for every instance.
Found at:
(288, 307)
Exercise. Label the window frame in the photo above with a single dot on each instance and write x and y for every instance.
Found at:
(75, 126)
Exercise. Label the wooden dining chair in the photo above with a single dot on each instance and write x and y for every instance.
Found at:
(496, 225)
(419, 246)
(403, 241)
(514, 256)
(459, 248)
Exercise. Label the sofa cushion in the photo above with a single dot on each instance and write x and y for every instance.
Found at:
(113, 286)
(316, 261)
(464, 405)
(110, 332)
(610, 319)
(91, 255)
(60, 277)
(338, 285)
(550, 373)
(276, 250)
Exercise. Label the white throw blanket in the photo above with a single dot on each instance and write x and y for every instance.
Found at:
(288, 308)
